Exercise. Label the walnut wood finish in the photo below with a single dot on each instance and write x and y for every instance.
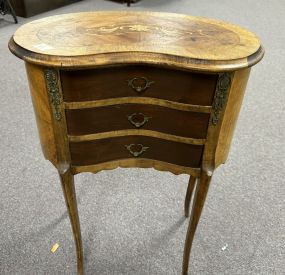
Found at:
(88, 73)
(137, 132)
(189, 193)
(136, 116)
(139, 163)
(219, 136)
(138, 100)
(67, 183)
(42, 111)
(231, 113)
(87, 85)
(112, 38)
(104, 150)
(201, 191)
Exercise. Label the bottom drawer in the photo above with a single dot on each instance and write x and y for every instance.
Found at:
(104, 150)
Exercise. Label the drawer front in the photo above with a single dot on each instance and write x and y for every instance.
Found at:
(104, 150)
(134, 81)
(136, 116)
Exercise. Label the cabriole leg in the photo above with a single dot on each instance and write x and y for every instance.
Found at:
(190, 188)
(198, 203)
(67, 182)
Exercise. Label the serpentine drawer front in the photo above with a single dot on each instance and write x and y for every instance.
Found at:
(121, 117)
(136, 89)
(138, 81)
(98, 151)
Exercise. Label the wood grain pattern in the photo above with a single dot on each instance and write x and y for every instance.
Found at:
(189, 194)
(138, 163)
(104, 150)
(138, 100)
(91, 33)
(119, 117)
(201, 191)
(203, 44)
(134, 58)
(210, 150)
(59, 126)
(172, 85)
(137, 132)
(64, 160)
(42, 111)
(232, 109)
(55, 146)
(68, 188)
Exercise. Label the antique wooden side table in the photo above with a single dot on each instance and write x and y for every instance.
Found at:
(136, 89)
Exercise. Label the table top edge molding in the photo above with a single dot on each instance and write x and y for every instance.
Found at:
(134, 58)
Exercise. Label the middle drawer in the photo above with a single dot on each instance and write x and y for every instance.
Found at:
(137, 116)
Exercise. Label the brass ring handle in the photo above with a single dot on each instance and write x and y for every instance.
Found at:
(141, 87)
(138, 124)
(136, 153)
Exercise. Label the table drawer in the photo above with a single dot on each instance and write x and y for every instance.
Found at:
(137, 116)
(134, 81)
(104, 150)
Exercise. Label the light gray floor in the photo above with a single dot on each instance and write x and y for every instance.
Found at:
(132, 219)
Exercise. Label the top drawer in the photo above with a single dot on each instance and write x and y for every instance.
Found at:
(134, 81)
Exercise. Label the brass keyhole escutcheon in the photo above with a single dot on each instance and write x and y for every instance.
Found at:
(140, 84)
(133, 119)
(133, 147)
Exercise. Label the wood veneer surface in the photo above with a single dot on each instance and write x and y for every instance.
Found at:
(173, 85)
(109, 149)
(115, 118)
(102, 38)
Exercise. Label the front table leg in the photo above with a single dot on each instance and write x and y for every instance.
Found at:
(67, 182)
(189, 195)
(198, 203)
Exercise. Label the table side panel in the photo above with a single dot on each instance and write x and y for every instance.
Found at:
(230, 118)
(42, 110)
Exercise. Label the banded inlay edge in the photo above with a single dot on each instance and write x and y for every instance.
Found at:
(136, 132)
(137, 100)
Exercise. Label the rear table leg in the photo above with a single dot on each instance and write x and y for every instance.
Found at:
(199, 200)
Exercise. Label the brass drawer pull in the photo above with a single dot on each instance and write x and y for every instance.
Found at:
(136, 123)
(136, 153)
(140, 84)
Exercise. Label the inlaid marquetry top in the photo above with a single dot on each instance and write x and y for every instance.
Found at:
(102, 38)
